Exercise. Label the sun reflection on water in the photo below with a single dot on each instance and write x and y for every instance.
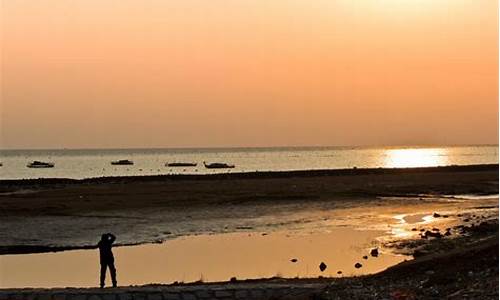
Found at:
(415, 157)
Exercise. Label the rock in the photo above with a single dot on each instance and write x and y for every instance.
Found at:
(436, 215)
(466, 220)
(339, 272)
(374, 252)
(432, 234)
(445, 216)
(294, 260)
(414, 229)
(435, 229)
(233, 279)
(447, 233)
(322, 266)
(422, 230)
(365, 257)
(358, 265)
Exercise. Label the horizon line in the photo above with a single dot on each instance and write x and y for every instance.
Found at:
(252, 147)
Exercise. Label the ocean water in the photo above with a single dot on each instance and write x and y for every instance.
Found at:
(91, 163)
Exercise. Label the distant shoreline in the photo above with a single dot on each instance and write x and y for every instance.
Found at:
(248, 175)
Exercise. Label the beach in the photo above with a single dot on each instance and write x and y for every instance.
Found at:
(239, 220)
(162, 207)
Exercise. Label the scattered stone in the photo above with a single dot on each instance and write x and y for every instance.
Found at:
(294, 260)
(365, 257)
(445, 216)
(264, 233)
(358, 265)
(422, 230)
(432, 234)
(233, 279)
(466, 220)
(322, 266)
(414, 229)
(339, 272)
(436, 215)
(435, 229)
(374, 252)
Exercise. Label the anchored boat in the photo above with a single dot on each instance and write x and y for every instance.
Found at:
(181, 164)
(218, 165)
(122, 162)
(40, 164)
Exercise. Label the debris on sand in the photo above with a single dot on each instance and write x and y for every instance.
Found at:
(358, 265)
(374, 252)
(294, 260)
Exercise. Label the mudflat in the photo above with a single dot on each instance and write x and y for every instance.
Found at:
(38, 197)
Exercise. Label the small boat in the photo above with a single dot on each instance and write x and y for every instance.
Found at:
(40, 164)
(218, 166)
(181, 164)
(122, 162)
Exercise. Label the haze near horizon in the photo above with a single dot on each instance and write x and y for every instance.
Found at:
(139, 74)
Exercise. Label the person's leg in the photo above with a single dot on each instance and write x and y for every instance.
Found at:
(103, 274)
(112, 270)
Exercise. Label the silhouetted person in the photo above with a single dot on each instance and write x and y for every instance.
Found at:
(106, 257)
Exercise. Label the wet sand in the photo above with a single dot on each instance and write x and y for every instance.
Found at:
(67, 214)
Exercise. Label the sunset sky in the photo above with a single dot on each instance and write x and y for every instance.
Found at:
(199, 73)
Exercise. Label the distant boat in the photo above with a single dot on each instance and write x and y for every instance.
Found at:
(122, 162)
(218, 166)
(181, 164)
(40, 164)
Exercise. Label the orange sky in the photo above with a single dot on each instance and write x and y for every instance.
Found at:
(156, 73)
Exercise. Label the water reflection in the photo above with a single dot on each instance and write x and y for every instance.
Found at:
(206, 257)
(415, 157)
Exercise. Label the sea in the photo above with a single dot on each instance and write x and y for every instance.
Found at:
(92, 163)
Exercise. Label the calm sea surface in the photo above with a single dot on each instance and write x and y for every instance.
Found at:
(96, 162)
